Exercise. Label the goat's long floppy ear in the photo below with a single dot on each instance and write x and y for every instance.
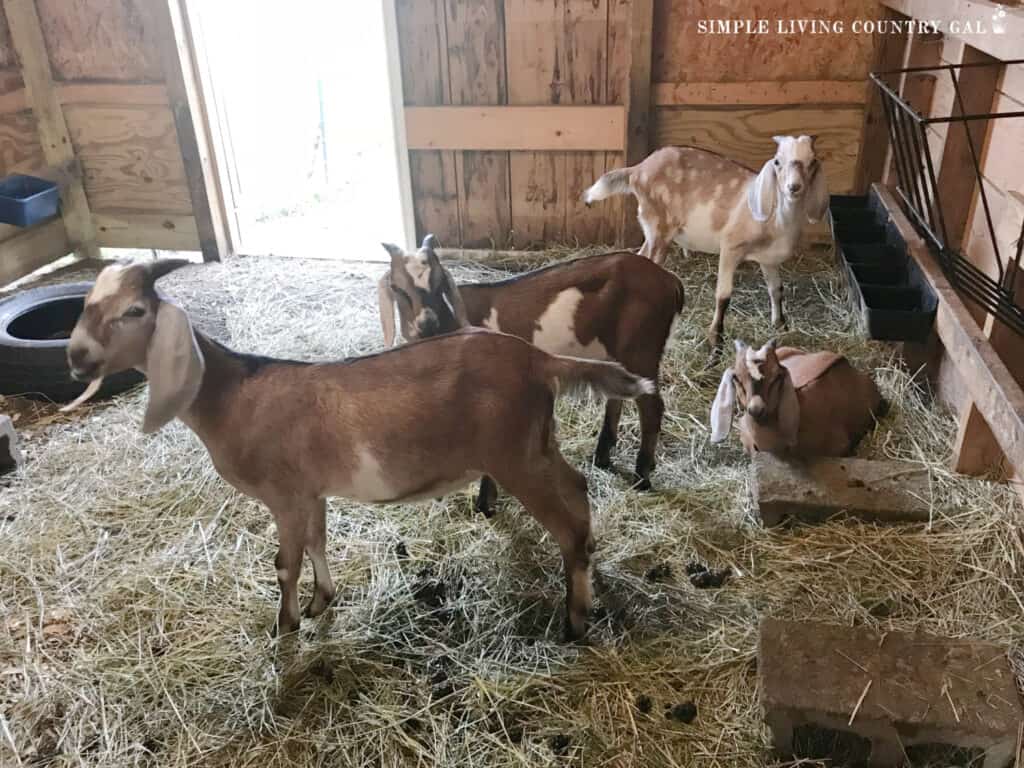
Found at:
(722, 408)
(174, 367)
(761, 193)
(454, 296)
(817, 196)
(386, 299)
(789, 412)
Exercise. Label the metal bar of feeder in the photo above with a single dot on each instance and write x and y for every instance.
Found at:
(968, 65)
(935, 186)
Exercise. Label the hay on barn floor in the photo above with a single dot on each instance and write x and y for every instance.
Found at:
(136, 588)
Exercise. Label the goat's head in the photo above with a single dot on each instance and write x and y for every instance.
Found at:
(795, 175)
(764, 389)
(125, 324)
(427, 298)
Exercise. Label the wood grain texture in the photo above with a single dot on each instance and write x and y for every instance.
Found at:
(7, 55)
(100, 40)
(126, 229)
(614, 209)
(20, 151)
(974, 20)
(130, 157)
(423, 47)
(761, 92)
(476, 72)
(682, 54)
(31, 249)
(745, 135)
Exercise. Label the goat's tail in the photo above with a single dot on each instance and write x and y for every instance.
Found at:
(612, 183)
(569, 374)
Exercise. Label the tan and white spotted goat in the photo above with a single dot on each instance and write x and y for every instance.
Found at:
(411, 423)
(795, 403)
(706, 202)
(616, 306)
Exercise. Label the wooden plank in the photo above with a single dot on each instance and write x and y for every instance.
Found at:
(170, 27)
(745, 135)
(760, 93)
(971, 21)
(101, 40)
(32, 249)
(917, 88)
(998, 397)
(476, 72)
(515, 128)
(638, 139)
(112, 94)
(619, 13)
(128, 229)
(817, 490)
(535, 53)
(7, 57)
(423, 45)
(396, 102)
(26, 33)
(874, 134)
(20, 151)
(131, 158)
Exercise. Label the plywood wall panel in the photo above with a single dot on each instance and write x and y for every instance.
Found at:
(100, 40)
(745, 135)
(130, 158)
(683, 54)
(20, 151)
(7, 56)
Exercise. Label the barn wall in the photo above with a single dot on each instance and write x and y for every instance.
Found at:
(577, 53)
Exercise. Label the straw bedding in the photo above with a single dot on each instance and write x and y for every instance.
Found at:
(136, 587)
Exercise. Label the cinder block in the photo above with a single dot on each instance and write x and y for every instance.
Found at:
(816, 489)
(895, 689)
(10, 455)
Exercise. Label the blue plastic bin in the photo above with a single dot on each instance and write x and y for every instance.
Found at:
(26, 200)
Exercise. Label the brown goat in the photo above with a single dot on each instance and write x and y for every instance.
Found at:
(796, 403)
(616, 306)
(415, 422)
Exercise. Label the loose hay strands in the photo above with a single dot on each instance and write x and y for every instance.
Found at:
(136, 587)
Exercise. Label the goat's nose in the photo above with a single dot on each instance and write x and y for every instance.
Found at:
(82, 368)
(77, 356)
(795, 187)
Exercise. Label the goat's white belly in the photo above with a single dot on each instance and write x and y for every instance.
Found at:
(371, 483)
(699, 234)
(556, 329)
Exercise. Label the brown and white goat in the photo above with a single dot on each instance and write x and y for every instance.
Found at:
(706, 202)
(796, 403)
(616, 306)
(414, 422)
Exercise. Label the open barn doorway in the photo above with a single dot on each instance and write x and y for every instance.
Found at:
(299, 102)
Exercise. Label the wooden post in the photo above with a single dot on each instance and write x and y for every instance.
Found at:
(917, 88)
(41, 97)
(173, 39)
(637, 141)
(889, 55)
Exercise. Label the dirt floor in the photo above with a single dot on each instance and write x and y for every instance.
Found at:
(136, 588)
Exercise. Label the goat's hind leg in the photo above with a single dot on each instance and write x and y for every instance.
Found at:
(291, 535)
(773, 279)
(652, 409)
(723, 293)
(316, 549)
(487, 497)
(609, 434)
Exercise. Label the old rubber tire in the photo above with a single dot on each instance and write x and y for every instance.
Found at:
(34, 325)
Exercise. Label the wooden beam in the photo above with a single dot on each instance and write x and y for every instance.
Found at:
(32, 249)
(998, 397)
(766, 93)
(92, 93)
(130, 229)
(515, 128)
(173, 38)
(971, 21)
(917, 88)
(41, 96)
(637, 139)
(874, 143)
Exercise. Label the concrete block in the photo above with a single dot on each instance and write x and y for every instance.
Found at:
(894, 689)
(816, 489)
(10, 456)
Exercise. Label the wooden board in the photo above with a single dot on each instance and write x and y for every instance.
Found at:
(476, 71)
(682, 54)
(146, 230)
(745, 135)
(617, 223)
(100, 40)
(7, 57)
(515, 128)
(760, 93)
(423, 45)
(974, 20)
(31, 249)
(130, 157)
(20, 151)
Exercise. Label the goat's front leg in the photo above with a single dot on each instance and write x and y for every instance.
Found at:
(727, 264)
(316, 549)
(609, 434)
(291, 535)
(487, 497)
(773, 279)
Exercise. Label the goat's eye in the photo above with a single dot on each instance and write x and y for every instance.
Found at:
(134, 312)
(777, 163)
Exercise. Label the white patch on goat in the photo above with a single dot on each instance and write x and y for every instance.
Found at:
(556, 329)
(699, 233)
(754, 360)
(367, 482)
(418, 268)
(491, 321)
(107, 284)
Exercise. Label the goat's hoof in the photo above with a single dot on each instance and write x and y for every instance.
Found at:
(574, 634)
(317, 605)
(781, 322)
(283, 628)
(603, 461)
(484, 508)
(641, 483)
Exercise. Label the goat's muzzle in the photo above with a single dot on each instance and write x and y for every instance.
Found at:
(82, 368)
(757, 409)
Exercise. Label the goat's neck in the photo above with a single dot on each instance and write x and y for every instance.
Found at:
(789, 215)
(222, 375)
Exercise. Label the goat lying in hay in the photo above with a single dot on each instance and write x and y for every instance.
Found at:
(708, 203)
(616, 306)
(799, 403)
(415, 422)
